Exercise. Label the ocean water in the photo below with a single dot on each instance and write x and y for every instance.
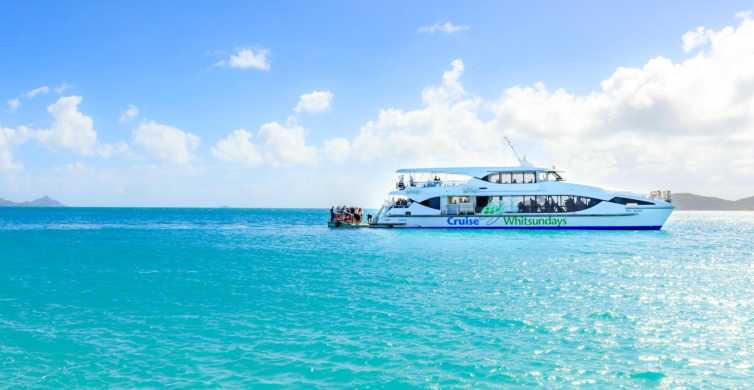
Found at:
(254, 298)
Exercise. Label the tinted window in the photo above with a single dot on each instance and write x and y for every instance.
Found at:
(496, 205)
(433, 203)
(492, 178)
(622, 200)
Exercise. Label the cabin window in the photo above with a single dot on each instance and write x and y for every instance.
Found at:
(529, 178)
(627, 201)
(509, 178)
(523, 178)
(459, 199)
(433, 203)
(492, 178)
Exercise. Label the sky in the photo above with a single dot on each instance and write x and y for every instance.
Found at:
(301, 104)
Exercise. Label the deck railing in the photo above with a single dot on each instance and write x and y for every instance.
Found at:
(431, 184)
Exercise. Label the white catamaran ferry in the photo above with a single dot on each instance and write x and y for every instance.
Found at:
(523, 197)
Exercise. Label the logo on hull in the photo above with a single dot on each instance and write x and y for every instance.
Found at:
(535, 221)
(463, 221)
(509, 221)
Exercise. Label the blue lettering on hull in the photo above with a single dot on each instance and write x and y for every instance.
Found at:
(463, 221)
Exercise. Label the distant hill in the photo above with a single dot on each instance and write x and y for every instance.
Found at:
(686, 201)
(44, 201)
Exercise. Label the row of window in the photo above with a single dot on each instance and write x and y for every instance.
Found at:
(533, 204)
(521, 177)
(493, 205)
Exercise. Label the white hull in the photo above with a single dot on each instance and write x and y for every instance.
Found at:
(522, 197)
(633, 219)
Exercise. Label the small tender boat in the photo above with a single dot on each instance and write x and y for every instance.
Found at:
(348, 217)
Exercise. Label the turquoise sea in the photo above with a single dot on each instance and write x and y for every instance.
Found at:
(256, 298)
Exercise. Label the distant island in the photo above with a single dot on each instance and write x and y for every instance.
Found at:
(686, 201)
(681, 201)
(44, 201)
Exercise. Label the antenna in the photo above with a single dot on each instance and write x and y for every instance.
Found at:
(521, 160)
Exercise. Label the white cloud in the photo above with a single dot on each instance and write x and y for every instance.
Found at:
(14, 104)
(37, 91)
(8, 139)
(336, 149)
(247, 59)
(696, 38)
(237, 147)
(129, 113)
(315, 101)
(276, 144)
(285, 144)
(686, 125)
(450, 90)
(446, 27)
(70, 128)
(166, 143)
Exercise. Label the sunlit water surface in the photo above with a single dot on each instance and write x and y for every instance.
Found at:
(242, 298)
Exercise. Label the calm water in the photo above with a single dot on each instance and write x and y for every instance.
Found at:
(241, 298)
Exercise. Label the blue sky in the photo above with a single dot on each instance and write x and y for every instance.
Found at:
(164, 59)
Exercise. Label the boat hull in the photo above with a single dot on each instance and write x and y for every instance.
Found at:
(633, 219)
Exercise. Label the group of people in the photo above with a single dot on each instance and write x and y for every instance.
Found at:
(550, 205)
(412, 183)
(401, 202)
(346, 214)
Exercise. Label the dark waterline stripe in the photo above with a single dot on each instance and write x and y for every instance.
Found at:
(538, 227)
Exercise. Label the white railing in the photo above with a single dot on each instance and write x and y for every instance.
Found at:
(431, 184)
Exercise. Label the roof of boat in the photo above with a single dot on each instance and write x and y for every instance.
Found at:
(472, 171)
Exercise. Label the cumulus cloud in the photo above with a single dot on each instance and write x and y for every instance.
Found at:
(14, 104)
(237, 147)
(165, 143)
(442, 27)
(687, 124)
(129, 113)
(70, 129)
(8, 139)
(451, 88)
(696, 38)
(247, 59)
(315, 101)
(276, 144)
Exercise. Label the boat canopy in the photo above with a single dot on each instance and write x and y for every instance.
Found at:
(472, 171)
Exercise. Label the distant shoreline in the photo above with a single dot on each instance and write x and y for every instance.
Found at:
(693, 202)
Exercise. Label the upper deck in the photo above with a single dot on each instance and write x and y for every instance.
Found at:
(433, 177)
(477, 172)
